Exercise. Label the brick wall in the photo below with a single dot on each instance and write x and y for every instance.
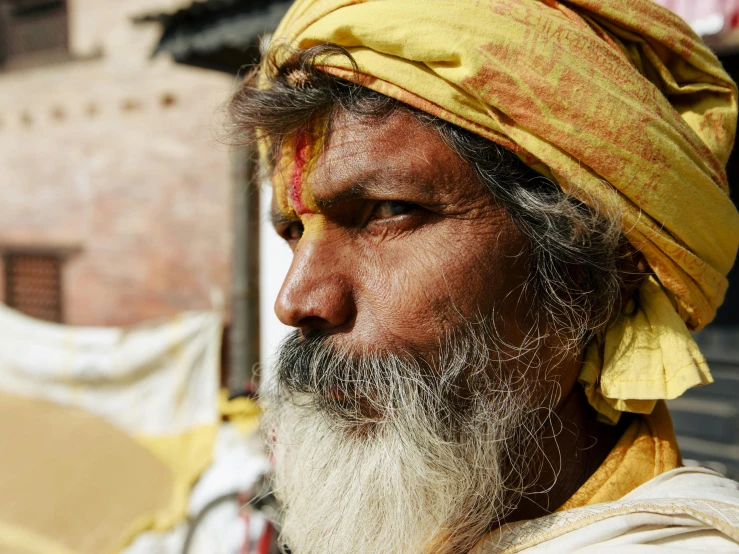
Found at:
(115, 159)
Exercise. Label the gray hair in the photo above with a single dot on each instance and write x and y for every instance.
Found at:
(574, 247)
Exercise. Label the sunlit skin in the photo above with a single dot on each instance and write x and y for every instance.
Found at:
(395, 240)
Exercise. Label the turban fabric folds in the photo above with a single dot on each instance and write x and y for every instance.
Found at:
(617, 101)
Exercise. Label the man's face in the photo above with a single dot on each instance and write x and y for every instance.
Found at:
(402, 408)
(397, 240)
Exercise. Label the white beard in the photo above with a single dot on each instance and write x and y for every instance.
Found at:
(399, 488)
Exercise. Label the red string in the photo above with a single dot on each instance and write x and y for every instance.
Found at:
(265, 540)
(243, 499)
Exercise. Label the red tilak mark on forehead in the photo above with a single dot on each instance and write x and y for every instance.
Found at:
(296, 178)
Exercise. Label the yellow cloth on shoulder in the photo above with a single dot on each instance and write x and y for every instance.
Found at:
(647, 449)
(618, 101)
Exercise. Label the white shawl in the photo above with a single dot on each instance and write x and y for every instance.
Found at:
(681, 511)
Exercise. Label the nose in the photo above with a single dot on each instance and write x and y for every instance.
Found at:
(316, 294)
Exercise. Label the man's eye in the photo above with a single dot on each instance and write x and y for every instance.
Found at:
(293, 231)
(391, 208)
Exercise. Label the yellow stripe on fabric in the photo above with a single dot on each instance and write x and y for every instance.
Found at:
(187, 455)
(23, 541)
(73, 479)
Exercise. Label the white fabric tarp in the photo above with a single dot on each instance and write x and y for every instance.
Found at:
(156, 378)
(156, 388)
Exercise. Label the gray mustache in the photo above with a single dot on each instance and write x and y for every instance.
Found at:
(379, 386)
(346, 384)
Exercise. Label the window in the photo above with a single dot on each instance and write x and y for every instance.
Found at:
(33, 27)
(33, 284)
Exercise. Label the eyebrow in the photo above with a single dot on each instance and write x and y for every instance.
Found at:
(278, 219)
(352, 192)
(378, 181)
(367, 182)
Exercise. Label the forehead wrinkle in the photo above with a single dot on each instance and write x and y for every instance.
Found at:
(389, 160)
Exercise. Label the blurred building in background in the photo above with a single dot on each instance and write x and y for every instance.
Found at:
(225, 36)
(117, 207)
(115, 188)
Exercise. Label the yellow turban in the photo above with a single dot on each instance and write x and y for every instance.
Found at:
(615, 100)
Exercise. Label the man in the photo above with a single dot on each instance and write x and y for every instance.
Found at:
(506, 216)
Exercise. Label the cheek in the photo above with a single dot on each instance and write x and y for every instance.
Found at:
(416, 286)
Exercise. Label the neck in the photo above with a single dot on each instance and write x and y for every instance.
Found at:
(574, 448)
